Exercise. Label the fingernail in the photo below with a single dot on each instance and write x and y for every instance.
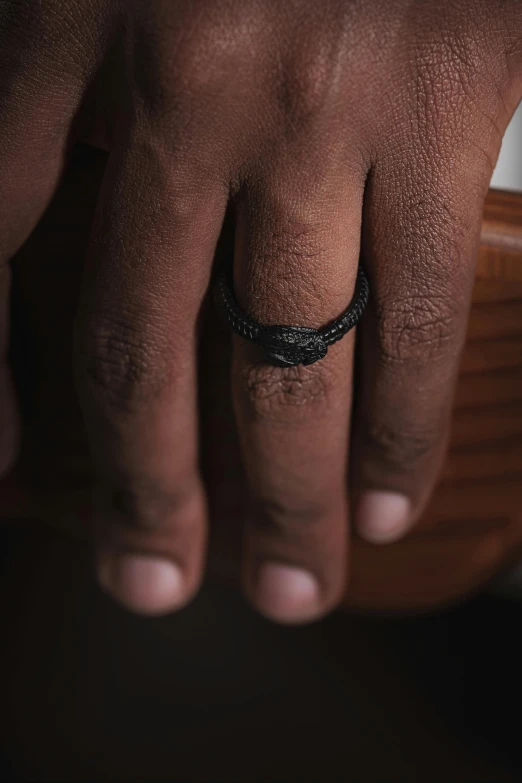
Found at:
(382, 517)
(286, 593)
(143, 583)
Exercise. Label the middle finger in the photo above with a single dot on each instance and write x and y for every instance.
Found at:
(297, 250)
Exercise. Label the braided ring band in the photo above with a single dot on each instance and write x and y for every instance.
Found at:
(287, 346)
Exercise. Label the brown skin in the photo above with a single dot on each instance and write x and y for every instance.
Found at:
(330, 127)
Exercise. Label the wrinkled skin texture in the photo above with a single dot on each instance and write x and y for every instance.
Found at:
(329, 130)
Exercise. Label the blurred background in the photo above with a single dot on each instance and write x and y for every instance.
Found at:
(508, 172)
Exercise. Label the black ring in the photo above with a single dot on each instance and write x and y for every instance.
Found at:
(287, 346)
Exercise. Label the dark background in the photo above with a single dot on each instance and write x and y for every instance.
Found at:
(216, 693)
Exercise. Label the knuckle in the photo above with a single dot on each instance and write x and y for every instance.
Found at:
(142, 503)
(431, 227)
(418, 329)
(284, 269)
(439, 227)
(301, 91)
(198, 66)
(288, 394)
(118, 366)
(400, 448)
(307, 84)
(295, 512)
(179, 55)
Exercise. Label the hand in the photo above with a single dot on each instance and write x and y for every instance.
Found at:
(322, 124)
